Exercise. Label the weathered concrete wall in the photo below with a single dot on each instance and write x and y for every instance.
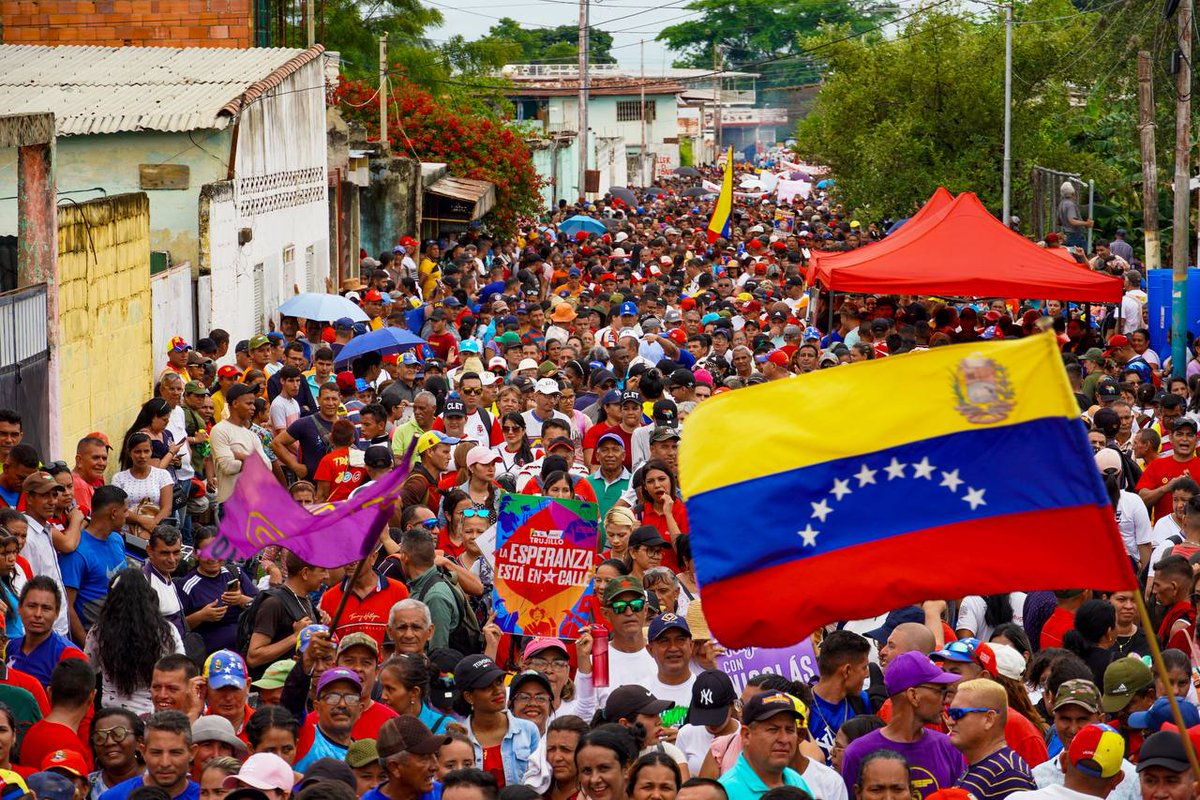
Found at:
(104, 307)
(391, 204)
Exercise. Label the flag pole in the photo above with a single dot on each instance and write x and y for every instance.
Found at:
(353, 581)
(1156, 657)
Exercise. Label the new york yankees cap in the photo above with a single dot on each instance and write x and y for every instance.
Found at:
(712, 695)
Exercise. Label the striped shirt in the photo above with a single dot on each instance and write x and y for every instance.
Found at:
(998, 776)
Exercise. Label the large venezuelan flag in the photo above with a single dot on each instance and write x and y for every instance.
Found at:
(722, 217)
(851, 491)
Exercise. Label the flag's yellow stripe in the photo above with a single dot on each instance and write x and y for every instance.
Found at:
(724, 206)
(859, 408)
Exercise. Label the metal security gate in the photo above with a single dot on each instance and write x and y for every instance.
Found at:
(25, 363)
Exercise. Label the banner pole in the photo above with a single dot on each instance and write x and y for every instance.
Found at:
(1156, 657)
(352, 581)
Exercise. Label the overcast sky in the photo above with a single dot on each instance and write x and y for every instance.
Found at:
(628, 21)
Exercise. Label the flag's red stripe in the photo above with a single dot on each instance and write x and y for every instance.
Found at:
(1063, 548)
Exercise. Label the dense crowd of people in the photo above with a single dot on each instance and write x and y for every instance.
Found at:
(562, 364)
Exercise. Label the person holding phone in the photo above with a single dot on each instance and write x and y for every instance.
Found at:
(214, 594)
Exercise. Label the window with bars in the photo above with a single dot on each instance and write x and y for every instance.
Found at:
(628, 110)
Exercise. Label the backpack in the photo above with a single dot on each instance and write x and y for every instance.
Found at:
(245, 628)
(467, 636)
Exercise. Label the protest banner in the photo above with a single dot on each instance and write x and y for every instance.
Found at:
(785, 221)
(796, 663)
(545, 551)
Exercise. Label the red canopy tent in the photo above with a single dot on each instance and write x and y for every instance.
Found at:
(961, 250)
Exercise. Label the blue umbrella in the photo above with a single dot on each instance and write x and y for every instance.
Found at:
(384, 341)
(582, 222)
(895, 226)
(825, 184)
(322, 307)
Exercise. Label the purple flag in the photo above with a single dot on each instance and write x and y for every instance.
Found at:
(261, 513)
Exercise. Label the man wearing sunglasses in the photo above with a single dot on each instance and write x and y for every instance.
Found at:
(976, 719)
(917, 688)
(629, 662)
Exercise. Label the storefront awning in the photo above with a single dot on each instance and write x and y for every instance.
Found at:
(452, 199)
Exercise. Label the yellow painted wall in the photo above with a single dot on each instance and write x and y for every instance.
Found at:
(104, 359)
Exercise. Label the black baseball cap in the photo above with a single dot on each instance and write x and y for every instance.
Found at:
(237, 390)
(378, 456)
(765, 706)
(454, 408)
(1184, 422)
(475, 672)
(631, 397)
(626, 702)
(1163, 749)
(529, 675)
(646, 536)
(712, 695)
(683, 377)
(665, 412)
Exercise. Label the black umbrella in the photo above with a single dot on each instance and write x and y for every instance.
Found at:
(688, 172)
(696, 191)
(624, 195)
(656, 192)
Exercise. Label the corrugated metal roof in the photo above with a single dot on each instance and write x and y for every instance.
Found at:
(481, 193)
(111, 89)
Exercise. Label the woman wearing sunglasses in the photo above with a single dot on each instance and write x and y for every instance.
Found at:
(515, 451)
(116, 734)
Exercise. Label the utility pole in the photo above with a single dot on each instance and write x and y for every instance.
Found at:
(1149, 159)
(310, 15)
(583, 97)
(716, 102)
(1008, 47)
(1180, 243)
(383, 89)
(642, 94)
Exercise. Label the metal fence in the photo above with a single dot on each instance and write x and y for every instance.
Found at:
(25, 362)
(1046, 182)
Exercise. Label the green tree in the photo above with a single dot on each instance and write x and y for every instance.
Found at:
(762, 36)
(547, 45)
(899, 116)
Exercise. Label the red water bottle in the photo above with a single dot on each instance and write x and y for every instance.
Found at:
(600, 656)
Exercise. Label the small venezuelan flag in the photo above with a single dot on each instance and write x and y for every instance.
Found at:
(848, 492)
(719, 225)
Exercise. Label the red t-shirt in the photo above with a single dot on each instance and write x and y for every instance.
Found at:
(44, 737)
(23, 680)
(652, 517)
(442, 344)
(335, 468)
(1023, 736)
(367, 615)
(493, 762)
(1056, 627)
(1162, 471)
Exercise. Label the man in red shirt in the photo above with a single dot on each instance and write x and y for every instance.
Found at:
(1063, 618)
(1163, 473)
(371, 600)
(444, 345)
(359, 652)
(91, 459)
(72, 689)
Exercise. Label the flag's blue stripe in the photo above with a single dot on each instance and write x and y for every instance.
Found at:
(1031, 466)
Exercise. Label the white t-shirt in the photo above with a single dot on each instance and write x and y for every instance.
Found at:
(178, 429)
(1164, 529)
(476, 431)
(625, 669)
(533, 425)
(139, 489)
(972, 610)
(1134, 522)
(694, 741)
(679, 694)
(284, 411)
(824, 781)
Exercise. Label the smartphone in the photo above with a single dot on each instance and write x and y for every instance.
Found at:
(232, 585)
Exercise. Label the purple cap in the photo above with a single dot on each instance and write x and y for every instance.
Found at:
(912, 669)
(338, 674)
(610, 437)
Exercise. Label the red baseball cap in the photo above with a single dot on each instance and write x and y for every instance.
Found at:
(66, 760)
(373, 295)
(345, 380)
(229, 371)
(101, 436)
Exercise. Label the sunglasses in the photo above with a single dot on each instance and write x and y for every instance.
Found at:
(511, 428)
(957, 714)
(102, 735)
(429, 524)
(472, 392)
(621, 606)
(482, 513)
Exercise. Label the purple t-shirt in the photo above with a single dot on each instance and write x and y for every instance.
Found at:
(998, 775)
(933, 762)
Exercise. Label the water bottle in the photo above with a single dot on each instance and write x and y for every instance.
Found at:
(600, 656)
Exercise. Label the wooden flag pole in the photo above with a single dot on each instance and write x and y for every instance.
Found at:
(1156, 657)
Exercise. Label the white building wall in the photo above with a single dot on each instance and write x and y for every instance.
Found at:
(280, 195)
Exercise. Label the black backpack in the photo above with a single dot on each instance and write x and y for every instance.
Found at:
(245, 627)
(467, 636)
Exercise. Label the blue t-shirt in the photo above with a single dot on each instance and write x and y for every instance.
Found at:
(88, 570)
(434, 720)
(10, 497)
(743, 783)
(322, 747)
(377, 793)
(196, 591)
(44, 658)
(825, 719)
(122, 790)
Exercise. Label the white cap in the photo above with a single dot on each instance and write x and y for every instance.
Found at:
(1108, 458)
(620, 237)
(619, 252)
(488, 378)
(527, 363)
(497, 361)
(547, 386)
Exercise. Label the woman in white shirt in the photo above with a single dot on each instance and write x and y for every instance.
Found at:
(128, 639)
(150, 489)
